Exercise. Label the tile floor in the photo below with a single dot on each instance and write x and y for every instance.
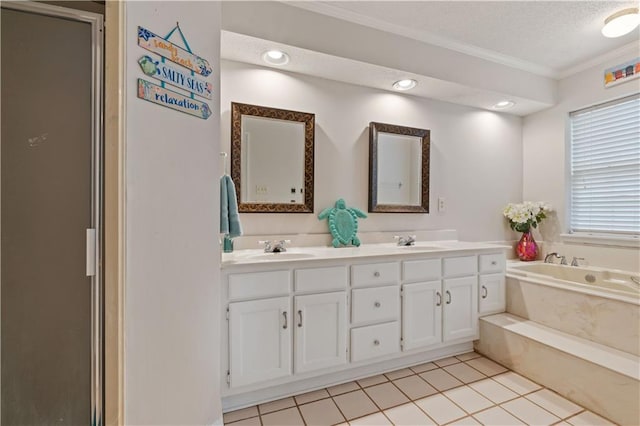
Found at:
(467, 389)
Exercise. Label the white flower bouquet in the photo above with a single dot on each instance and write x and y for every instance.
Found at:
(525, 215)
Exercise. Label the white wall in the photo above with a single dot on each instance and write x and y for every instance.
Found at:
(476, 155)
(544, 151)
(172, 254)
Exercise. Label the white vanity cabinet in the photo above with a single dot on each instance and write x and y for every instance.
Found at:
(259, 340)
(306, 324)
(491, 286)
(421, 314)
(442, 305)
(320, 331)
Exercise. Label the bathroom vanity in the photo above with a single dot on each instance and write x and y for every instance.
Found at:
(314, 317)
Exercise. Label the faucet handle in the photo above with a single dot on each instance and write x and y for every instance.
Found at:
(575, 260)
(563, 260)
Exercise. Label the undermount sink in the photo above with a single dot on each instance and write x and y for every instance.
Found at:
(281, 256)
(418, 248)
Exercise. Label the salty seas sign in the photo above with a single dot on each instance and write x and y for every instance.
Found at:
(156, 44)
(168, 98)
(182, 78)
(175, 76)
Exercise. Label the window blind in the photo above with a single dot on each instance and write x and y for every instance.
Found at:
(605, 168)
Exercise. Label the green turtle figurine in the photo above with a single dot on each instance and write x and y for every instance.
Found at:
(343, 223)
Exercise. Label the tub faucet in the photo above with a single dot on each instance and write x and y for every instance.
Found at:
(575, 260)
(549, 258)
(408, 240)
(276, 246)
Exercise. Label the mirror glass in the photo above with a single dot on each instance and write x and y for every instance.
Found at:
(272, 159)
(398, 169)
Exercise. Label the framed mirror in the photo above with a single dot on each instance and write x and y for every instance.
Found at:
(398, 169)
(272, 159)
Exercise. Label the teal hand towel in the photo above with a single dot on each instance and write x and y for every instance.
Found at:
(229, 218)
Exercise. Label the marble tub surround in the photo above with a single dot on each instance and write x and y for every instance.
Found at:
(608, 321)
(603, 379)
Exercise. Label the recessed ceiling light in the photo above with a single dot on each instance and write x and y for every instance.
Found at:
(275, 57)
(504, 105)
(621, 23)
(404, 84)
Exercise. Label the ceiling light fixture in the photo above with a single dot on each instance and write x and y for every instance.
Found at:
(621, 23)
(504, 105)
(405, 84)
(275, 57)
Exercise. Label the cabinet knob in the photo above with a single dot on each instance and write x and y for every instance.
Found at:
(376, 342)
(494, 263)
(376, 274)
(377, 304)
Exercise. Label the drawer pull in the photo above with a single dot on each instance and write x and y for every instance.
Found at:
(299, 318)
(376, 274)
(376, 342)
(377, 304)
(285, 320)
(448, 297)
(485, 292)
(494, 263)
(439, 296)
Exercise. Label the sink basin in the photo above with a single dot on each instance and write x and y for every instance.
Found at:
(281, 256)
(418, 248)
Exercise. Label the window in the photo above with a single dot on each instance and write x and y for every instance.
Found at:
(605, 169)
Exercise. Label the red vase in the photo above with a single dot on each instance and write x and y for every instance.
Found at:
(527, 248)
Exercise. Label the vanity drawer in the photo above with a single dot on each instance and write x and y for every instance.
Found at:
(375, 274)
(375, 304)
(421, 270)
(457, 266)
(254, 285)
(375, 341)
(491, 263)
(321, 279)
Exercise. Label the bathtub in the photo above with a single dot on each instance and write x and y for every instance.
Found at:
(607, 283)
(592, 303)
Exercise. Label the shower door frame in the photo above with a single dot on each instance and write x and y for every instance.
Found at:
(94, 245)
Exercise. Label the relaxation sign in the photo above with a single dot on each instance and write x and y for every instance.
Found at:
(175, 76)
(156, 44)
(170, 99)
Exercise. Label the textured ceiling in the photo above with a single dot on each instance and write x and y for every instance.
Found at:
(550, 37)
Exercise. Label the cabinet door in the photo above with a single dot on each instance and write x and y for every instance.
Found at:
(460, 308)
(421, 314)
(492, 294)
(321, 331)
(259, 340)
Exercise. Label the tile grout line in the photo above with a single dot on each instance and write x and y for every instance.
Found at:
(413, 401)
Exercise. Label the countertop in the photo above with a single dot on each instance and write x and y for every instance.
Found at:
(307, 254)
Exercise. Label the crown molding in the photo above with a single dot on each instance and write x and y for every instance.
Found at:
(631, 49)
(425, 37)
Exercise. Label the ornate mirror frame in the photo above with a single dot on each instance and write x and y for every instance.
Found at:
(237, 111)
(374, 206)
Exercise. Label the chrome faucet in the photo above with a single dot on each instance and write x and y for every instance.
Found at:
(408, 240)
(575, 260)
(276, 246)
(548, 258)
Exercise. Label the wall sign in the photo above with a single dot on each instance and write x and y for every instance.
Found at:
(621, 73)
(175, 76)
(156, 44)
(170, 99)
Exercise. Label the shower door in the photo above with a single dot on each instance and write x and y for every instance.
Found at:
(50, 210)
